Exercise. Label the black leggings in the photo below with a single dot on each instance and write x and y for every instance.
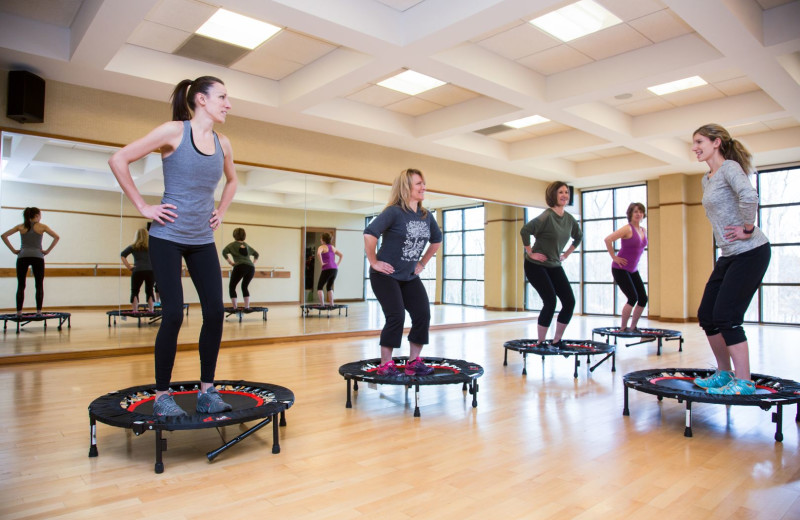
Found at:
(729, 291)
(243, 273)
(37, 265)
(551, 283)
(327, 277)
(203, 265)
(137, 279)
(631, 285)
(396, 297)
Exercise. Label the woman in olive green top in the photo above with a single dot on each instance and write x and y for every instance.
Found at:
(551, 231)
(238, 255)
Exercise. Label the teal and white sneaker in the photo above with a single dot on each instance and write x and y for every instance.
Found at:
(735, 387)
(718, 379)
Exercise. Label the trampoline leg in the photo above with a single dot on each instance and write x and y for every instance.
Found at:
(276, 444)
(416, 400)
(688, 431)
(349, 403)
(614, 361)
(777, 418)
(283, 418)
(797, 415)
(575, 372)
(92, 436)
(625, 410)
(355, 385)
(211, 455)
(464, 387)
(524, 364)
(474, 392)
(505, 357)
(658, 349)
(161, 445)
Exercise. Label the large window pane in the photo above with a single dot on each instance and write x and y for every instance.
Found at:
(452, 243)
(624, 197)
(781, 224)
(473, 218)
(779, 187)
(599, 298)
(594, 234)
(452, 220)
(473, 242)
(473, 293)
(452, 291)
(597, 204)
(597, 267)
(576, 290)
(572, 267)
(473, 268)
(784, 266)
(532, 300)
(453, 267)
(430, 288)
(781, 304)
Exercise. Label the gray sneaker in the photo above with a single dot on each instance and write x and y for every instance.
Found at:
(165, 406)
(211, 402)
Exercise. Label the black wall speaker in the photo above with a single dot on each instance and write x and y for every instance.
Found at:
(571, 195)
(25, 97)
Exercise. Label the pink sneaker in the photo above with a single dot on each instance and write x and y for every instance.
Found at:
(418, 368)
(388, 369)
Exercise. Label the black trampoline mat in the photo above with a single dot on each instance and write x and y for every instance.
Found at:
(188, 401)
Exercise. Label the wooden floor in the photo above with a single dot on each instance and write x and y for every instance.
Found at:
(544, 446)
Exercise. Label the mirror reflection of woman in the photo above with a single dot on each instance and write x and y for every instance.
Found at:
(327, 255)
(625, 265)
(141, 270)
(194, 159)
(30, 253)
(238, 254)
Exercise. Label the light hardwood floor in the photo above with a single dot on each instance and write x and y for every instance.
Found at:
(545, 446)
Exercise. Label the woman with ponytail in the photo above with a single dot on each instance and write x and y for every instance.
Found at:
(731, 204)
(194, 159)
(30, 254)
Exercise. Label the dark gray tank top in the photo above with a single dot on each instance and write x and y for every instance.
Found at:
(30, 245)
(190, 178)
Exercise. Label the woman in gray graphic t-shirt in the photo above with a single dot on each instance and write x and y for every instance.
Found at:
(731, 204)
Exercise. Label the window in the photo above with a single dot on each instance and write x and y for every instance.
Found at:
(463, 256)
(603, 212)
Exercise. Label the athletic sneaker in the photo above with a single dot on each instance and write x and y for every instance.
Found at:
(718, 379)
(211, 402)
(418, 368)
(735, 387)
(388, 369)
(165, 406)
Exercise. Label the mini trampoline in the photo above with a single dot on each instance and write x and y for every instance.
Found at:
(132, 409)
(678, 383)
(327, 309)
(240, 311)
(25, 318)
(566, 348)
(446, 372)
(646, 335)
(139, 315)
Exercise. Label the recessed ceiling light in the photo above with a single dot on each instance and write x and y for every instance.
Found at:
(675, 86)
(411, 83)
(576, 20)
(237, 29)
(624, 95)
(526, 121)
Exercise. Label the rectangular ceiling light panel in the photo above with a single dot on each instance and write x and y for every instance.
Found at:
(237, 29)
(675, 86)
(526, 121)
(411, 83)
(576, 20)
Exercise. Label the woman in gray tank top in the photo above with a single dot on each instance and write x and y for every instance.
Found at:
(30, 254)
(194, 159)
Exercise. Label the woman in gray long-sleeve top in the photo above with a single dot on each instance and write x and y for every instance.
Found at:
(551, 230)
(731, 204)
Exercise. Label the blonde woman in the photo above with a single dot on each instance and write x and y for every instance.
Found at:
(141, 270)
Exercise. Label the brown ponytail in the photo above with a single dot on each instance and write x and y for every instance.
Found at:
(729, 147)
(29, 214)
(183, 95)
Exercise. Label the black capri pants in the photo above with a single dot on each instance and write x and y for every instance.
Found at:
(396, 297)
(326, 278)
(551, 283)
(142, 277)
(37, 266)
(243, 273)
(729, 291)
(202, 261)
(631, 285)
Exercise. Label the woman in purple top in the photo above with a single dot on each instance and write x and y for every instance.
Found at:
(625, 265)
(327, 255)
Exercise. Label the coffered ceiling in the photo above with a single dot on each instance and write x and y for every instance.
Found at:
(321, 71)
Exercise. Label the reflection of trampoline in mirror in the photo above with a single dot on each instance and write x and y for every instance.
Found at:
(678, 383)
(141, 314)
(446, 372)
(23, 319)
(566, 348)
(241, 311)
(132, 409)
(309, 308)
(645, 335)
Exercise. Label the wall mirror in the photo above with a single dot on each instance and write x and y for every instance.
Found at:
(282, 212)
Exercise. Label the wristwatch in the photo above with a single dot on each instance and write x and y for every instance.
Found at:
(748, 231)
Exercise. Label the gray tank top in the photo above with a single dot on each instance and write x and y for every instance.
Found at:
(190, 178)
(30, 245)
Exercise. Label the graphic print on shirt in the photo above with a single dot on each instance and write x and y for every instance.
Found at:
(417, 234)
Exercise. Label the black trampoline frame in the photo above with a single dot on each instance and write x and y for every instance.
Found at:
(467, 374)
(308, 307)
(28, 317)
(240, 311)
(108, 409)
(662, 334)
(151, 317)
(786, 392)
(529, 346)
